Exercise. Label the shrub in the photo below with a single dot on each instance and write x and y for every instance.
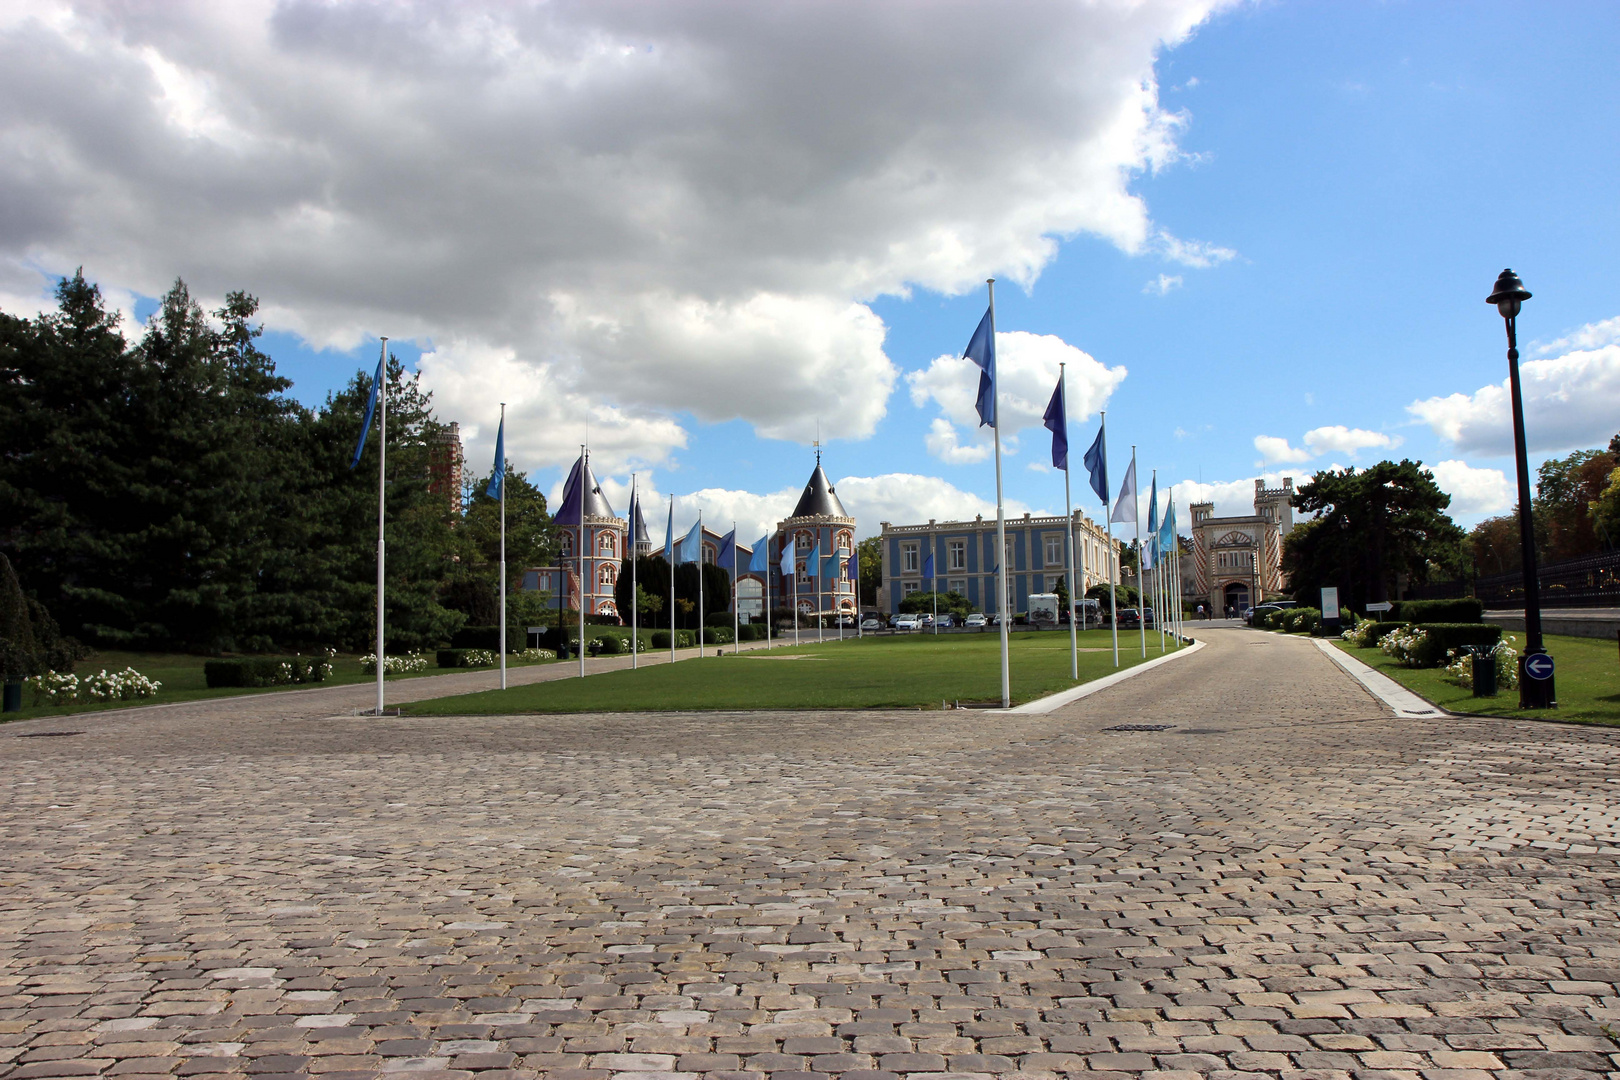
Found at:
(1461, 666)
(1300, 620)
(751, 632)
(717, 635)
(465, 658)
(1445, 638)
(610, 644)
(394, 665)
(1364, 633)
(53, 687)
(1464, 610)
(125, 685)
(266, 671)
(718, 618)
(537, 654)
(1274, 619)
(660, 639)
(1403, 644)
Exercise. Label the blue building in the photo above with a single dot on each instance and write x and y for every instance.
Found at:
(589, 526)
(965, 559)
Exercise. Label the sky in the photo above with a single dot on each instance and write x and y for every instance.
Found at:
(701, 235)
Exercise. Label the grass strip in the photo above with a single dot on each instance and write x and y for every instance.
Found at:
(907, 671)
(1587, 678)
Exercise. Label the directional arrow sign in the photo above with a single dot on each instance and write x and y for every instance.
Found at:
(1538, 666)
(1382, 605)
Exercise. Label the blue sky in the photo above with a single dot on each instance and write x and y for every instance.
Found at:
(1288, 253)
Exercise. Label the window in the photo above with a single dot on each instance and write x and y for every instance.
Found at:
(844, 540)
(958, 586)
(608, 577)
(607, 544)
(909, 587)
(909, 560)
(804, 578)
(708, 554)
(1054, 549)
(956, 554)
(1012, 553)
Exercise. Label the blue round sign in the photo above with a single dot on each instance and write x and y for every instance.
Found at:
(1538, 666)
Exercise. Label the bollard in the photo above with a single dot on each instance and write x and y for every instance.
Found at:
(1484, 672)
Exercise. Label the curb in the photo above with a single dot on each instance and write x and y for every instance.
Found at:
(1056, 701)
(1404, 702)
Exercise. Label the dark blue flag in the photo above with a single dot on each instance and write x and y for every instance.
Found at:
(497, 482)
(728, 550)
(928, 565)
(981, 349)
(371, 410)
(1057, 422)
(1097, 464)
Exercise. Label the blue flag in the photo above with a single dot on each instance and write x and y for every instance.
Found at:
(1057, 422)
(371, 410)
(1097, 464)
(789, 553)
(497, 482)
(981, 349)
(812, 561)
(690, 549)
(1150, 554)
(669, 536)
(728, 550)
(760, 561)
(928, 565)
(832, 565)
(1167, 532)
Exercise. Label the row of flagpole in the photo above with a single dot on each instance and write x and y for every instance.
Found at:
(981, 350)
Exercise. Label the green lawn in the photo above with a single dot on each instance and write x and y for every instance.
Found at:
(182, 677)
(878, 672)
(1587, 676)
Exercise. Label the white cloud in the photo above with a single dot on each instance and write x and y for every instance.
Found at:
(909, 499)
(1232, 498)
(677, 208)
(1591, 336)
(1473, 491)
(1339, 439)
(1569, 402)
(1275, 450)
(1027, 367)
(1162, 284)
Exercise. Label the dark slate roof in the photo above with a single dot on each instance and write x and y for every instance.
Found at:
(596, 504)
(819, 499)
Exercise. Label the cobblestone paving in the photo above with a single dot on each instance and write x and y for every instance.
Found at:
(1287, 882)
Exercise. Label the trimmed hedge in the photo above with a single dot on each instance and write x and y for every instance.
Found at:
(1465, 610)
(1441, 638)
(457, 658)
(751, 632)
(265, 671)
(660, 639)
(717, 635)
(1300, 620)
(1379, 630)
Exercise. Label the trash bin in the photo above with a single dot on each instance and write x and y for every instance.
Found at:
(1484, 671)
(13, 697)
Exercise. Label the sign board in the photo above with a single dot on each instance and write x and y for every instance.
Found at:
(1330, 603)
(1382, 605)
(1538, 666)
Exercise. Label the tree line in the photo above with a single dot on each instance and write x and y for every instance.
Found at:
(167, 493)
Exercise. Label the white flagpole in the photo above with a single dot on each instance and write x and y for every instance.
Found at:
(502, 466)
(821, 611)
(669, 542)
(382, 507)
(584, 471)
(736, 614)
(838, 610)
(1159, 614)
(635, 604)
(765, 591)
(855, 585)
(1068, 532)
(1113, 553)
(700, 585)
(933, 585)
(1001, 517)
(795, 562)
(1141, 592)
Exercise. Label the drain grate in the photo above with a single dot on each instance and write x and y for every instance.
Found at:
(47, 734)
(1140, 727)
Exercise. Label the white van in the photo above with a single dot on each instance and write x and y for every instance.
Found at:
(1043, 609)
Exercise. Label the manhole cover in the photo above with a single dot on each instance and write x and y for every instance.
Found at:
(47, 734)
(1140, 727)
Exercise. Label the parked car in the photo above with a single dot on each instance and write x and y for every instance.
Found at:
(1129, 618)
(926, 618)
(907, 622)
(846, 620)
(871, 622)
(946, 620)
(975, 620)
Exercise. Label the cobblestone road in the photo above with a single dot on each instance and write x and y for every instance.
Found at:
(1286, 882)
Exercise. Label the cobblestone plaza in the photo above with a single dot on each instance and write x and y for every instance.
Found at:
(1285, 881)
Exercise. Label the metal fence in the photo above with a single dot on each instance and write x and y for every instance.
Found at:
(1593, 581)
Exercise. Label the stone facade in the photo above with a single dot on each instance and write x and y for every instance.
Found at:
(1238, 560)
(445, 467)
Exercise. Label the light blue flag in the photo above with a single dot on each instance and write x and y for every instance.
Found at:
(497, 482)
(1150, 552)
(371, 410)
(690, 548)
(832, 565)
(1167, 532)
(812, 561)
(669, 536)
(789, 554)
(760, 561)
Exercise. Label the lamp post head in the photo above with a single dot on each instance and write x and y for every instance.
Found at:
(1509, 294)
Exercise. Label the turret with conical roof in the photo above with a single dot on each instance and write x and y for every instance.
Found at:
(642, 540)
(592, 530)
(818, 523)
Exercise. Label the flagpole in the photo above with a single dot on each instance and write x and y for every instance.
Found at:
(501, 465)
(765, 590)
(736, 613)
(1001, 517)
(635, 605)
(1158, 565)
(855, 585)
(1068, 516)
(700, 585)
(795, 590)
(1113, 553)
(669, 546)
(821, 612)
(382, 507)
(584, 471)
(1141, 593)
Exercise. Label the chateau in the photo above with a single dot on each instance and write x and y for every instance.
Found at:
(1238, 560)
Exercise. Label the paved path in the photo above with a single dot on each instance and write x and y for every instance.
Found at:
(1287, 882)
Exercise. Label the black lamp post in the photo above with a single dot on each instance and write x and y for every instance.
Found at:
(1534, 693)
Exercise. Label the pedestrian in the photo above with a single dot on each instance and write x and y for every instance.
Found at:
(1200, 611)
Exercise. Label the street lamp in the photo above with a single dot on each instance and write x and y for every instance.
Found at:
(1534, 693)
